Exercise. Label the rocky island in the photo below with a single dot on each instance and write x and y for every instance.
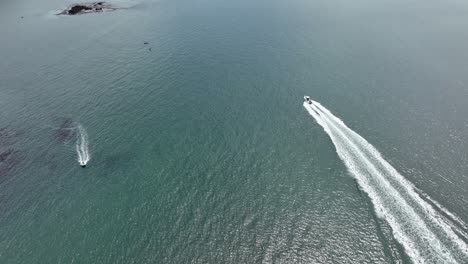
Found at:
(78, 9)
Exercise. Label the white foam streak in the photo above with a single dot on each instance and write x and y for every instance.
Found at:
(422, 231)
(82, 146)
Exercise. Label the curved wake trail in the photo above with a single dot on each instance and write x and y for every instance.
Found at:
(426, 235)
(82, 146)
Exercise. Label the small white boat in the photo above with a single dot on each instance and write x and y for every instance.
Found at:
(307, 99)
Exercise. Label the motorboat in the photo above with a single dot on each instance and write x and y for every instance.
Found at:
(307, 99)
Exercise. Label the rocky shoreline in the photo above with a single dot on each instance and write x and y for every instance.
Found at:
(79, 9)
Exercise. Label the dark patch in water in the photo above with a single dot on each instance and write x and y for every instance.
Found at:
(8, 160)
(66, 131)
(9, 157)
(5, 154)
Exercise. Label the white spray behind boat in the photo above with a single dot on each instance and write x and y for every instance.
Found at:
(82, 146)
(426, 235)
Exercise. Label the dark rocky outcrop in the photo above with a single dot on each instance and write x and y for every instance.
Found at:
(78, 9)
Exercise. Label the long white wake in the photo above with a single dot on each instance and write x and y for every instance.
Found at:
(426, 235)
(82, 146)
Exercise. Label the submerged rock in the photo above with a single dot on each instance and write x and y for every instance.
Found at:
(95, 7)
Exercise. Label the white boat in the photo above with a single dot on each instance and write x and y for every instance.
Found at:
(307, 99)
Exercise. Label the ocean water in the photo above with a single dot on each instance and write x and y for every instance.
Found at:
(199, 149)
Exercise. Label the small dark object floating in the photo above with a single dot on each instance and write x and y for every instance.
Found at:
(146, 43)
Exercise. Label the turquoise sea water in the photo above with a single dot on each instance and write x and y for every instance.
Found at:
(201, 149)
